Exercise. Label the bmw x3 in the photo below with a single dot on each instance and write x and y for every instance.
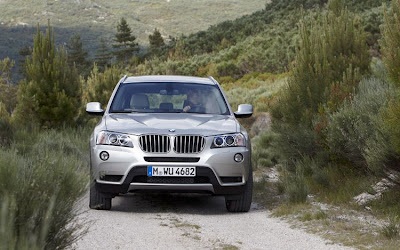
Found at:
(170, 134)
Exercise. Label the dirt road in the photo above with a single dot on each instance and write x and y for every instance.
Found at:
(180, 221)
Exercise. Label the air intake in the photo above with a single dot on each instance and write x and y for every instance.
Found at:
(155, 143)
(188, 144)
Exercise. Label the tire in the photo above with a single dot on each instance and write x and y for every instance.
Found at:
(98, 200)
(243, 203)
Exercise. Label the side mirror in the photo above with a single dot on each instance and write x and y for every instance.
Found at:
(94, 108)
(244, 111)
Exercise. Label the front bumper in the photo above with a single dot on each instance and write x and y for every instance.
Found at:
(223, 175)
(129, 184)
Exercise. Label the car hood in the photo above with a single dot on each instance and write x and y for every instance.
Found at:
(162, 124)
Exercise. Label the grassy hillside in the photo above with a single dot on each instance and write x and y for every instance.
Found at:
(94, 18)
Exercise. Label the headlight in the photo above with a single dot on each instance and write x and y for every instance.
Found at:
(115, 139)
(233, 140)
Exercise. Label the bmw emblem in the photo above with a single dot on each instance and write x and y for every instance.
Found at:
(172, 130)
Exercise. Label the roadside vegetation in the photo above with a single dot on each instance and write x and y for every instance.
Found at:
(324, 83)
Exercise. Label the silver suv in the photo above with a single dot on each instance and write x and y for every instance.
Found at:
(170, 134)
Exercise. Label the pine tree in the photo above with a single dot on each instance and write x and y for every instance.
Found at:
(50, 94)
(125, 45)
(156, 42)
(77, 55)
(103, 55)
(24, 52)
(391, 57)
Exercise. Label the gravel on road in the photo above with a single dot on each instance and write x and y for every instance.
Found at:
(187, 221)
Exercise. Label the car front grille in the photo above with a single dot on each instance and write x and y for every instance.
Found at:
(188, 144)
(155, 143)
(182, 144)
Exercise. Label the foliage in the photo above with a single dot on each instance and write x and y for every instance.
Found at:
(356, 131)
(8, 91)
(24, 52)
(156, 42)
(41, 177)
(103, 55)
(295, 186)
(99, 86)
(5, 70)
(392, 229)
(392, 121)
(391, 41)
(6, 129)
(125, 44)
(51, 94)
(391, 58)
(331, 58)
(77, 56)
(264, 153)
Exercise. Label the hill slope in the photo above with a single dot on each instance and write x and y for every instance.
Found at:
(94, 18)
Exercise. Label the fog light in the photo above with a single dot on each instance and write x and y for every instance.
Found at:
(104, 155)
(238, 157)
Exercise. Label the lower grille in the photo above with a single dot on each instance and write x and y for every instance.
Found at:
(171, 159)
(231, 179)
(172, 180)
(113, 178)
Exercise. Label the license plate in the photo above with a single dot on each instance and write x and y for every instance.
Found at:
(171, 171)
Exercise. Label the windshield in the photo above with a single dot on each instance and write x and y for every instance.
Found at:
(169, 98)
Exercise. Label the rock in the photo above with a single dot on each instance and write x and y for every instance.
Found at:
(364, 198)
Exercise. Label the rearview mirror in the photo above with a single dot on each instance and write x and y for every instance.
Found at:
(94, 108)
(244, 111)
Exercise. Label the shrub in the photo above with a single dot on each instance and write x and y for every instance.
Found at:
(227, 69)
(391, 41)
(264, 153)
(39, 188)
(6, 129)
(332, 49)
(98, 88)
(356, 132)
(295, 186)
(391, 57)
(392, 229)
(392, 120)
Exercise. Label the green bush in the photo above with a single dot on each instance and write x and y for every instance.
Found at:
(6, 129)
(356, 132)
(295, 186)
(227, 69)
(264, 153)
(391, 41)
(391, 57)
(39, 188)
(332, 50)
(392, 121)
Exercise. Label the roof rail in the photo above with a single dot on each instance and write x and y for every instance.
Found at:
(124, 78)
(213, 80)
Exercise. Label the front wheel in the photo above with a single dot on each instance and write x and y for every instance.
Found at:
(243, 202)
(98, 200)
